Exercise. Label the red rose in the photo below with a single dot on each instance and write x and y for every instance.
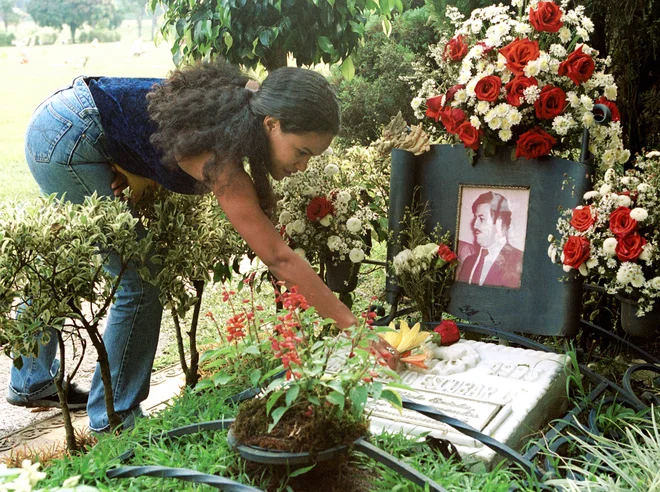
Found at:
(546, 17)
(612, 107)
(516, 87)
(452, 118)
(628, 248)
(455, 49)
(446, 253)
(582, 218)
(448, 332)
(534, 143)
(451, 92)
(518, 53)
(578, 66)
(576, 251)
(469, 135)
(488, 88)
(551, 102)
(621, 224)
(319, 207)
(433, 107)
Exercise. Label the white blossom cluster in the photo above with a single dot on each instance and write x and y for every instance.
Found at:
(26, 478)
(339, 234)
(415, 261)
(637, 192)
(485, 33)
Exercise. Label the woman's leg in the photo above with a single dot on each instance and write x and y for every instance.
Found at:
(71, 159)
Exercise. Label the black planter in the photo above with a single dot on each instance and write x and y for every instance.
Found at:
(342, 277)
(644, 326)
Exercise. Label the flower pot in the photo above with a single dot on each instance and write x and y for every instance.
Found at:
(644, 326)
(278, 457)
(342, 277)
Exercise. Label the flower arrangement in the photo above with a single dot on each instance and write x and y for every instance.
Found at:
(322, 214)
(319, 393)
(522, 77)
(613, 239)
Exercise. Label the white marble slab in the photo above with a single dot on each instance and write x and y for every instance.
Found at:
(507, 393)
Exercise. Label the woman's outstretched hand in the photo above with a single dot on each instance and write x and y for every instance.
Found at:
(119, 184)
(387, 352)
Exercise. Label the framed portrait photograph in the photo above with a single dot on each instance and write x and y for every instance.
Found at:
(499, 213)
(491, 231)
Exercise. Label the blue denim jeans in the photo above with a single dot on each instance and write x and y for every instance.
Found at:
(65, 151)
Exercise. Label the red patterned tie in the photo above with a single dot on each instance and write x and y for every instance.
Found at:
(476, 275)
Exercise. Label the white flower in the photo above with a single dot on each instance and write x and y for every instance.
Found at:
(533, 68)
(285, 217)
(299, 226)
(630, 273)
(531, 94)
(591, 262)
(582, 32)
(590, 194)
(300, 252)
(562, 124)
(644, 187)
(356, 255)
(558, 51)
(354, 225)
(475, 122)
(416, 102)
(653, 153)
(605, 189)
(611, 92)
(639, 214)
(550, 238)
(564, 35)
(343, 197)
(289, 229)
(325, 221)
(505, 135)
(552, 253)
(482, 107)
(573, 99)
(645, 255)
(587, 102)
(334, 243)
(588, 119)
(609, 246)
(331, 169)
(624, 201)
(654, 283)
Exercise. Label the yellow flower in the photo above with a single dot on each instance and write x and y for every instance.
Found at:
(405, 338)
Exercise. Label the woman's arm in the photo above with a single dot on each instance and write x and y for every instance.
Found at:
(236, 194)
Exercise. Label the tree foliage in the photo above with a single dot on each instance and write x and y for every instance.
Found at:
(7, 13)
(73, 13)
(250, 31)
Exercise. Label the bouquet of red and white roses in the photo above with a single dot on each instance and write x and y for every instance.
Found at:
(525, 78)
(322, 216)
(613, 239)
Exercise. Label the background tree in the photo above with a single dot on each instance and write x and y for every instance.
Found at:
(247, 32)
(7, 13)
(74, 13)
(137, 9)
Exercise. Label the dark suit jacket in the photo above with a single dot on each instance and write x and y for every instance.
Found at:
(505, 272)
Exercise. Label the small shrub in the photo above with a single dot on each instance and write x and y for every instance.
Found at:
(102, 35)
(6, 38)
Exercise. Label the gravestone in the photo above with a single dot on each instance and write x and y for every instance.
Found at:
(505, 392)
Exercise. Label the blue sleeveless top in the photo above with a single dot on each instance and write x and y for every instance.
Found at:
(122, 105)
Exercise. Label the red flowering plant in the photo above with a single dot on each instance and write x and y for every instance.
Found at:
(520, 76)
(318, 397)
(613, 239)
(322, 214)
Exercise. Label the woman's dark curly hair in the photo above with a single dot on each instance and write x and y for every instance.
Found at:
(207, 108)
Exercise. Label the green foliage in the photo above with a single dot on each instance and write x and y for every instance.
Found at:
(6, 38)
(7, 13)
(191, 236)
(101, 35)
(74, 13)
(438, 7)
(380, 89)
(247, 32)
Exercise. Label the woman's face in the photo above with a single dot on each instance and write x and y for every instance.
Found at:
(289, 152)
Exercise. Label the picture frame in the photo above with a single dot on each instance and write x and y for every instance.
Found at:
(545, 300)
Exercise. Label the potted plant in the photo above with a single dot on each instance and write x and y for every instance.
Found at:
(326, 219)
(319, 401)
(521, 75)
(191, 239)
(613, 239)
(52, 272)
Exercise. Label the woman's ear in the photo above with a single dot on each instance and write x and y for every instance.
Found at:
(271, 123)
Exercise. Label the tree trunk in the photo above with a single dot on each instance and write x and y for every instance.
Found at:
(139, 23)
(73, 29)
(192, 335)
(62, 394)
(275, 59)
(106, 376)
(179, 345)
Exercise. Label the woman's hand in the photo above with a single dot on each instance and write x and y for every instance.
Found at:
(387, 352)
(119, 184)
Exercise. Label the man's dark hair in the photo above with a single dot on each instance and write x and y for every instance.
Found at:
(499, 207)
(207, 108)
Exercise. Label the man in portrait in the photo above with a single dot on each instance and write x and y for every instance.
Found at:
(495, 261)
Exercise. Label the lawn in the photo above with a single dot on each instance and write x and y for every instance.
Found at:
(24, 85)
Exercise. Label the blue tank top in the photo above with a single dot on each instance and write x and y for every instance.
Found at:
(122, 105)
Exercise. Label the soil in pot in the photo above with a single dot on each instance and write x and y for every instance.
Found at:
(297, 431)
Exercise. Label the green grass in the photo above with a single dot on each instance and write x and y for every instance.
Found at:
(24, 85)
